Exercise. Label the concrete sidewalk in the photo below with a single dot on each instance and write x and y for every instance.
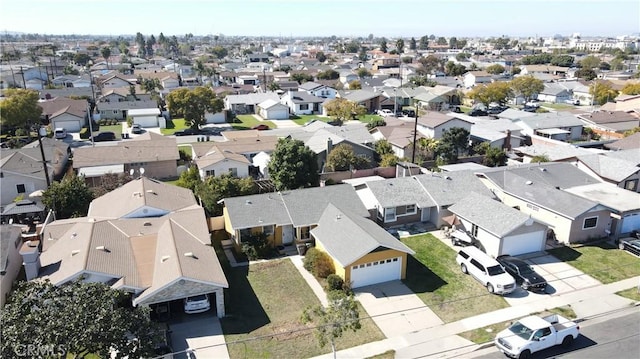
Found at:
(442, 341)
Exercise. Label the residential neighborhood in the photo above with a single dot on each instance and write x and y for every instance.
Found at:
(290, 196)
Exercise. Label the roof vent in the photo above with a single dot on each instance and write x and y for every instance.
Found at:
(338, 216)
(147, 224)
(74, 252)
(529, 183)
(447, 177)
(247, 202)
(164, 259)
(543, 169)
(103, 248)
(137, 194)
(190, 254)
(74, 235)
(151, 191)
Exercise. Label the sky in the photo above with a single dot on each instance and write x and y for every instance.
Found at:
(354, 18)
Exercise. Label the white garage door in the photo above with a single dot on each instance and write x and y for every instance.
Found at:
(70, 126)
(146, 121)
(630, 222)
(279, 114)
(523, 243)
(376, 272)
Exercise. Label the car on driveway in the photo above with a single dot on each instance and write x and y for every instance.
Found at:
(135, 128)
(522, 272)
(260, 127)
(631, 245)
(385, 113)
(478, 112)
(409, 113)
(60, 133)
(104, 136)
(197, 304)
(485, 270)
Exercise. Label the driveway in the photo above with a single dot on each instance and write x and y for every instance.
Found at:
(200, 332)
(395, 309)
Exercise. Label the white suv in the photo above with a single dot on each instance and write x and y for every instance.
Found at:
(485, 270)
(196, 304)
(385, 113)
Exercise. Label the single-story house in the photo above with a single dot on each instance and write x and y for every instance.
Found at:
(368, 99)
(473, 78)
(362, 252)
(119, 110)
(217, 162)
(562, 126)
(554, 93)
(610, 124)
(65, 113)
(620, 168)
(302, 103)
(435, 124)
(248, 103)
(273, 110)
(316, 89)
(145, 117)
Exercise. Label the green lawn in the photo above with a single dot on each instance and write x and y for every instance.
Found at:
(264, 307)
(631, 293)
(603, 261)
(488, 333)
(435, 277)
(557, 106)
(389, 354)
(117, 129)
(369, 118)
(465, 109)
(303, 119)
(173, 125)
(246, 122)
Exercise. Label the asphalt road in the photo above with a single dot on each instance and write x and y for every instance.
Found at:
(617, 337)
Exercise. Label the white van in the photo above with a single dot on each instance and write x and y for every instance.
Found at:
(485, 270)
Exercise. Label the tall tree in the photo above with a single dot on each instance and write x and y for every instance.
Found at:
(424, 43)
(429, 64)
(320, 56)
(106, 53)
(293, 165)
(383, 45)
(343, 109)
(457, 138)
(20, 108)
(189, 179)
(453, 69)
(215, 188)
(602, 92)
(69, 198)
(76, 319)
(453, 42)
(495, 69)
(497, 92)
(412, 44)
(343, 158)
(363, 73)
(527, 86)
(400, 46)
(590, 62)
(194, 104)
(441, 41)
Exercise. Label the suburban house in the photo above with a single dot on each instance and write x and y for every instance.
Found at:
(435, 124)
(145, 117)
(65, 113)
(323, 141)
(71, 81)
(537, 190)
(362, 252)
(248, 103)
(498, 228)
(302, 103)
(147, 238)
(217, 162)
(286, 217)
(554, 153)
(248, 146)
(273, 110)
(473, 78)
(119, 110)
(22, 172)
(316, 89)
(149, 154)
(625, 103)
(559, 71)
(10, 259)
(610, 124)
(626, 143)
(554, 93)
(367, 99)
(115, 80)
(499, 133)
(562, 126)
(437, 98)
(399, 137)
(620, 168)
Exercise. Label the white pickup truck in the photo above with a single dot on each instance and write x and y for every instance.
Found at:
(532, 334)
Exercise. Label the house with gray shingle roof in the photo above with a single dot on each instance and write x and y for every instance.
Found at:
(563, 126)
(302, 103)
(147, 238)
(362, 252)
(621, 168)
(368, 99)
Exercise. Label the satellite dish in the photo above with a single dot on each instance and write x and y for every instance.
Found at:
(131, 172)
(141, 170)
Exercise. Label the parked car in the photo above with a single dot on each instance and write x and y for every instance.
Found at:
(409, 113)
(135, 128)
(60, 133)
(496, 110)
(631, 245)
(197, 304)
(385, 113)
(260, 127)
(211, 131)
(533, 334)
(187, 132)
(104, 136)
(532, 104)
(530, 109)
(573, 102)
(485, 270)
(522, 272)
(478, 112)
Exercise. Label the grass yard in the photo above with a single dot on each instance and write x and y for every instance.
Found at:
(186, 149)
(557, 106)
(631, 293)
(117, 129)
(264, 306)
(389, 354)
(369, 118)
(435, 277)
(487, 334)
(603, 261)
(303, 119)
(246, 122)
(174, 125)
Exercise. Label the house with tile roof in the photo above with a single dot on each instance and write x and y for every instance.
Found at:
(362, 252)
(147, 238)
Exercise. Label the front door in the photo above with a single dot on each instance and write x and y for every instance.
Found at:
(425, 214)
(287, 234)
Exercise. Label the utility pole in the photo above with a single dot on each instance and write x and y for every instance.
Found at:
(415, 133)
(44, 161)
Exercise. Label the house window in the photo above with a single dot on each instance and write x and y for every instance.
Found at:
(304, 106)
(590, 222)
(474, 230)
(233, 171)
(631, 185)
(411, 209)
(209, 173)
(390, 214)
(245, 234)
(20, 188)
(304, 232)
(267, 230)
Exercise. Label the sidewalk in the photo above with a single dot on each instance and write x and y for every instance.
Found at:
(442, 341)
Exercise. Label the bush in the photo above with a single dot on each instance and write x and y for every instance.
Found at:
(129, 121)
(310, 259)
(256, 247)
(85, 133)
(335, 295)
(21, 132)
(334, 282)
(318, 263)
(102, 122)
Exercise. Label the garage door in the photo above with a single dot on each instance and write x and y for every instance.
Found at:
(146, 121)
(376, 272)
(630, 222)
(70, 126)
(279, 114)
(524, 243)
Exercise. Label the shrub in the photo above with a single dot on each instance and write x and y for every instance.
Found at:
(334, 282)
(256, 247)
(335, 295)
(310, 257)
(129, 121)
(85, 133)
(21, 132)
(323, 266)
(102, 122)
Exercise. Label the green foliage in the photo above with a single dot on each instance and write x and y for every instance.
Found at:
(631, 131)
(495, 69)
(631, 89)
(320, 56)
(586, 74)
(376, 123)
(343, 158)
(429, 64)
(453, 69)
(538, 59)
(383, 147)
(388, 160)
(363, 73)
(256, 247)
(189, 179)
(78, 318)
(454, 142)
(327, 75)
(193, 104)
(540, 158)
(81, 59)
(462, 56)
(590, 62)
(562, 60)
(494, 157)
(400, 46)
(527, 86)
(412, 44)
(334, 282)
(497, 92)
(69, 198)
(301, 77)
(215, 188)
(85, 133)
(293, 165)
(602, 92)
(184, 156)
(383, 45)
(343, 109)
(20, 108)
(318, 263)
(331, 322)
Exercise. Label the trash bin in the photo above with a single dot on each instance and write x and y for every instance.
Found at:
(302, 249)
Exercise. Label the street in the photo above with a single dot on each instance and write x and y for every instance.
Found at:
(616, 337)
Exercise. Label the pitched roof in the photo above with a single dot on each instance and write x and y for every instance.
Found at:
(304, 97)
(602, 117)
(61, 105)
(629, 142)
(448, 188)
(554, 153)
(216, 155)
(434, 119)
(400, 191)
(347, 237)
(240, 145)
(358, 96)
(611, 168)
(551, 120)
(252, 98)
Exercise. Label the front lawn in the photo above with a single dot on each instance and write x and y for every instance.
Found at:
(174, 125)
(264, 305)
(631, 293)
(117, 129)
(557, 106)
(435, 277)
(369, 118)
(603, 261)
(246, 122)
(303, 119)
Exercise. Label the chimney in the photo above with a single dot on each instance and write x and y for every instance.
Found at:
(329, 146)
(507, 141)
(31, 259)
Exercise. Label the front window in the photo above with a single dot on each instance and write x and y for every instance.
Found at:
(233, 171)
(245, 234)
(390, 214)
(411, 209)
(209, 173)
(267, 230)
(20, 188)
(590, 222)
(304, 106)
(631, 185)
(304, 232)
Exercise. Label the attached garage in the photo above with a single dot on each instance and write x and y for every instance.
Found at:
(523, 243)
(380, 271)
(630, 222)
(146, 117)
(272, 110)
(68, 122)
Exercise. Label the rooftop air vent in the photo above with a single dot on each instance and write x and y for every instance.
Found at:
(190, 254)
(247, 202)
(147, 224)
(543, 169)
(74, 252)
(164, 258)
(151, 191)
(529, 183)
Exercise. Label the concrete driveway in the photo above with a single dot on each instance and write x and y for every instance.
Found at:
(395, 308)
(201, 333)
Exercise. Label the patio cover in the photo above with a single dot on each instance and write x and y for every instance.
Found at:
(21, 207)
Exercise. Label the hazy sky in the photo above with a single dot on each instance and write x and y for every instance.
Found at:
(389, 18)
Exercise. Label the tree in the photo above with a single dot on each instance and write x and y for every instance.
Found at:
(215, 188)
(343, 158)
(424, 43)
(189, 179)
(355, 85)
(320, 56)
(494, 157)
(69, 198)
(453, 43)
(540, 158)
(77, 318)
(20, 108)
(109, 182)
(412, 44)
(495, 69)
(494, 92)
(219, 52)
(383, 45)
(301, 77)
(617, 64)
(590, 62)
(343, 109)
(527, 86)
(631, 89)
(429, 64)
(441, 41)
(293, 165)
(363, 72)
(81, 59)
(331, 322)
(602, 93)
(462, 56)
(326, 75)
(586, 74)
(457, 138)
(562, 60)
(194, 104)
(453, 69)
(106, 53)
(274, 86)
(400, 46)
(426, 148)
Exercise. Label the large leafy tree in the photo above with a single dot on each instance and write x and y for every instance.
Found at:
(494, 92)
(429, 64)
(342, 158)
(69, 198)
(527, 86)
(189, 179)
(412, 44)
(383, 45)
(454, 142)
(109, 182)
(590, 62)
(301, 77)
(20, 108)
(77, 319)
(194, 104)
(329, 74)
(631, 89)
(400, 46)
(293, 165)
(493, 156)
(424, 43)
(602, 93)
(495, 69)
(215, 188)
(343, 109)
(453, 69)
(562, 60)
(106, 53)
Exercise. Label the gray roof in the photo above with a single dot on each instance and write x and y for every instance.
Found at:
(358, 96)
(513, 114)
(252, 98)
(609, 195)
(554, 153)
(448, 188)
(627, 143)
(491, 215)
(630, 155)
(127, 105)
(303, 97)
(310, 85)
(8, 236)
(400, 191)
(554, 174)
(552, 120)
(22, 207)
(554, 89)
(300, 207)
(609, 167)
(348, 237)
